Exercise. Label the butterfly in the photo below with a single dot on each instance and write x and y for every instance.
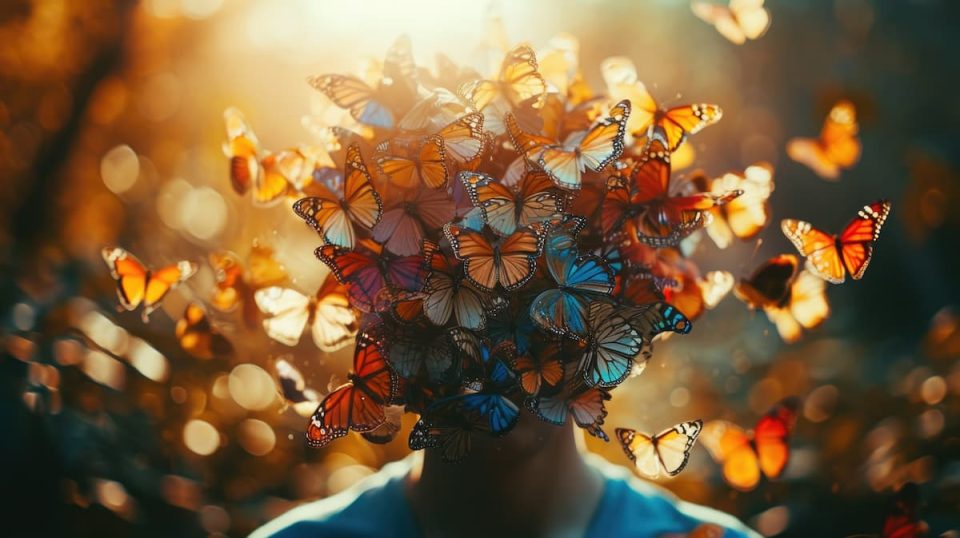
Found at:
(769, 285)
(833, 257)
(535, 199)
(542, 366)
(448, 294)
(198, 337)
(512, 323)
(838, 146)
(376, 107)
(510, 261)
(744, 216)
(386, 432)
(333, 323)
(450, 433)
(676, 122)
(293, 387)
(366, 271)
(246, 170)
(137, 285)
(649, 203)
(611, 345)
(333, 218)
(693, 294)
(357, 405)
(423, 348)
(463, 139)
(402, 227)
(592, 149)
(579, 279)
(236, 284)
(650, 320)
(738, 22)
(518, 83)
(744, 455)
(426, 166)
(666, 452)
(574, 398)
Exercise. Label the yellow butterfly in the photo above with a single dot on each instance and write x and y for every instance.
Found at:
(333, 323)
(838, 146)
(664, 453)
(739, 21)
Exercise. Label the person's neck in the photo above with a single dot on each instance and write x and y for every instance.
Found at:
(534, 482)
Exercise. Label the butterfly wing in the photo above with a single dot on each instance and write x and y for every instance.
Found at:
(770, 436)
(673, 446)
(604, 141)
(678, 122)
(819, 248)
(722, 18)
(354, 95)
(358, 270)
(641, 450)
(857, 239)
(243, 150)
(334, 321)
(518, 255)
(288, 312)
(361, 201)
(520, 80)
(587, 406)
(130, 274)
(751, 17)
(324, 214)
(163, 280)
(612, 345)
(730, 446)
(198, 337)
(463, 139)
(433, 167)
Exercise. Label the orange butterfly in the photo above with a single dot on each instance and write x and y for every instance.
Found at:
(677, 122)
(236, 283)
(246, 171)
(744, 455)
(138, 285)
(738, 22)
(426, 167)
(538, 367)
(693, 295)
(518, 84)
(510, 261)
(793, 302)
(198, 337)
(744, 216)
(837, 148)
(833, 257)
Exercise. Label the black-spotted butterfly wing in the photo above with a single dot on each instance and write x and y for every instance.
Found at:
(137, 285)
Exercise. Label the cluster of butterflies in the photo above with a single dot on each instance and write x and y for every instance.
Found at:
(502, 242)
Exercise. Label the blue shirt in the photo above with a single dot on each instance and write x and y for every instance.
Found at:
(378, 506)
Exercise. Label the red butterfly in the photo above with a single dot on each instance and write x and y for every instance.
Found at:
(832, 257)
(357, 405)
(366, 272)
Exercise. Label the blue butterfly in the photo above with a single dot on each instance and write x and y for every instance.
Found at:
(610, 347)
(580, 279)
(512, 324)
(484, 398)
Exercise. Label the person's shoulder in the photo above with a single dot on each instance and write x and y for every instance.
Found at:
(372, 507)
(634, 504)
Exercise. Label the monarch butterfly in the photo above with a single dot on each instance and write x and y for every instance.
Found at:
(332, 321)
(369, 106)
(666, 452)
(518, 83)
(427, 167)
(509, 262)
(769, 285)
(738, 22)
(357, 405)
(540, 367)
(293, 388)
(198, 337)
(448, 294)
(137, 285)
(574, 398)
(579, 279)
(366, 271)
(236, 282)
(566, 162)
(676, 122)
(246, 170)
(332, 217)
(535, 199)
(744, 216)
(838, 146)
(833, 257)
(403, 224)
(744, 455)
(464, 139)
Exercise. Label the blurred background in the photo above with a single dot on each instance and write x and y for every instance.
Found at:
(111, 125)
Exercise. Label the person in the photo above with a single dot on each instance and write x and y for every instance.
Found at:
(536, 481)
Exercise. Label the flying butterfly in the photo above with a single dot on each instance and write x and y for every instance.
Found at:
(518, 83)
(137, 285)
(333, 323)
(246, 170)
(376, 107)
(293, 387)
(677, 122)
(366, 271)
(448, 294)
(198, 337)
(332, 217)
(746, 215)
(833, 257)
(611, 345)
(739, 21)
(428, 349)
(423, 166)
(357, 405)
(463, 139)
(745, 455)
(236, 283)
(793, 301)
(838, 146)
(664, 453)
(534, 199)
(539, 368)
(410, 216)
(510, 261)
(587, 405)
(693, 295)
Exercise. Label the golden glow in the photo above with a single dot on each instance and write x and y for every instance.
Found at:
(201, 437)
(251, 387)
(256, 437)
